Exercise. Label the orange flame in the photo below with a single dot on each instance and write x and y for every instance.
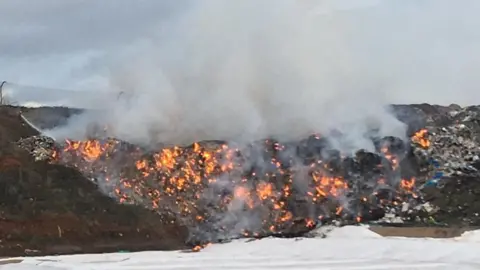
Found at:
(421, 137)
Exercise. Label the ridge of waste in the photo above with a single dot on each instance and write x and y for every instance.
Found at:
(220, 190)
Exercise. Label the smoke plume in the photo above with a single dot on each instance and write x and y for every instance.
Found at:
(246, 70)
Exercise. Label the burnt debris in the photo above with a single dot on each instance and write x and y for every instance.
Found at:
(220, 190)
(267, 188)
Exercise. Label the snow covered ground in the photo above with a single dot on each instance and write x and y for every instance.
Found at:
(346, 248)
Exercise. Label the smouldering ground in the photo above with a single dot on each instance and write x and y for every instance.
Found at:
(266, 187)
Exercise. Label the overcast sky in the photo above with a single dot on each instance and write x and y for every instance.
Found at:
(430, 47)
(56, 43)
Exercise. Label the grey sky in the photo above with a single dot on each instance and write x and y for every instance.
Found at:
(39, 28)
(56, 43)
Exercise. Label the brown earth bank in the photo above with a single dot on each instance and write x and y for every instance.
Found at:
(51, 209)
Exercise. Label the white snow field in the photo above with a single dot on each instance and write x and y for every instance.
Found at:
(346, 249)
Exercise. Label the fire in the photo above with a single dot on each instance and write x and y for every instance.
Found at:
(390, 157)
(408, 184)
(421, 137)
(264, 190)
(198, 248)
(182, 178)
(91, 149)
(309, 223)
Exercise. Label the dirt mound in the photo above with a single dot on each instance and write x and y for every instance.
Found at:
(11, 126)
(52, 209)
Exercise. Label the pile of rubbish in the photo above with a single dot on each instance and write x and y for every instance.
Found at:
(223, 191)
(220, 190)
(452, 162)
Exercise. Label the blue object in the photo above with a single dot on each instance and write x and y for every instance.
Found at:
(432, 182)
(434, 163)
(438, 175)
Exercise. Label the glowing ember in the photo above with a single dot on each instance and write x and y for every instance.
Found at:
(198, 248)
(208, 180)
(421, 137)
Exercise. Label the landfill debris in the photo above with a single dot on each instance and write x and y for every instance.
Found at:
(450, 164)
(221, 190)
(266, 188)
(41, 147)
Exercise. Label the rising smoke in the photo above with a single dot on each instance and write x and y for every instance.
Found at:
(243, 70)
(246, 70)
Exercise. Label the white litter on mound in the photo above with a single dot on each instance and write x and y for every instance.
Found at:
(345, 248)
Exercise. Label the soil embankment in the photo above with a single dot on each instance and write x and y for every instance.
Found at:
(52, 209)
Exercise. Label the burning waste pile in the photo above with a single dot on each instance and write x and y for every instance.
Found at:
(451, 163)
(221, 190)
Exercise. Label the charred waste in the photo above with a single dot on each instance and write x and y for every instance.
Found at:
(221, 190)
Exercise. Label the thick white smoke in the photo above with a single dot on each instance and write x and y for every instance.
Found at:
(242, 70)
(245, 70)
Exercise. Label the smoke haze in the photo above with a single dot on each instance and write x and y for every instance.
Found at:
(248, 69)
(245, 70)
(240, 70)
